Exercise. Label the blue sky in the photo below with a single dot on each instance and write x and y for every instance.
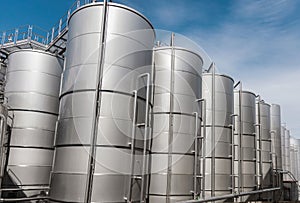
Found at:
(256, 41)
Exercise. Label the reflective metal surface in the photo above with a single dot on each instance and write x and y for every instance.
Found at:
(94, 132)
(32, 89)
(175, 113)
(244, 135)
(276, 136)
(223, 110)
(263, 117)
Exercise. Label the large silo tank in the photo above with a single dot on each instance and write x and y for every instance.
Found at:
(177, 86)
(32, 89)
(95, 127)
(244, 107)
(263, 117)
(283, 147)
(276, 135)
(222, 108)
(2, 81)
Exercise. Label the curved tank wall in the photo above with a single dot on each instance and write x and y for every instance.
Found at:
(221, 143)
(2, 81)
(32, 89)
(276, 135)
(244, 107)
(177, 86)
(283, 147)
(265, 159)
(93, 142)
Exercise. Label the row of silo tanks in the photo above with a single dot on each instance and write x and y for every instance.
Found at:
(120, 119)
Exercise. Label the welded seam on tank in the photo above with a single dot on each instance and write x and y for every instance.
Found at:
(31, 92)
(173, 153)
(31, 147)
(32, 128)
(173, 195)
(176, 113)
(31, 71)
(99, 145)
(103, 90)
(97, 103)
(34, 111)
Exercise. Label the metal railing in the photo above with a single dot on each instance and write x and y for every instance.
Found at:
(37, 34)
(23, 33)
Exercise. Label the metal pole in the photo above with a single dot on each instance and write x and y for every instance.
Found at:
(204, 148)
(170, 138)
(97, 106)
(196, 155)
(213, 131)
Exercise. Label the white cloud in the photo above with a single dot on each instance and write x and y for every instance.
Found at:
(260, 50)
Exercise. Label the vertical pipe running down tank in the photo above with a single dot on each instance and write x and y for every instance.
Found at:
(32, 89)
(263, 119)
(283, 148)
(244, 105)
(287, 153)
(177, 87)
(276, 136)
(223, 92)
(109, 47)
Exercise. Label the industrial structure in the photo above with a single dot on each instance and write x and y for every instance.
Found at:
(98, 109)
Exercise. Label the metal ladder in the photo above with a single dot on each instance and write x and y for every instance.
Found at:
(143, 176)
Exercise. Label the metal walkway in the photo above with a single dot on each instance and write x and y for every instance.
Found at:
(33, 37)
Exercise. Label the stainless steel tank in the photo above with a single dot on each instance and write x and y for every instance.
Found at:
(219, 101)
(283, 129)
(276, 136)
(96, 159)
(265, 159)
(32, 89)
(245, 141)
(177, 86)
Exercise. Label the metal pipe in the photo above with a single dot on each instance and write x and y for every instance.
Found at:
(213, 133)
(97, 105)
(170, 138)
(24, 189)
(232, 195)
(204, 148)
(196, 155)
